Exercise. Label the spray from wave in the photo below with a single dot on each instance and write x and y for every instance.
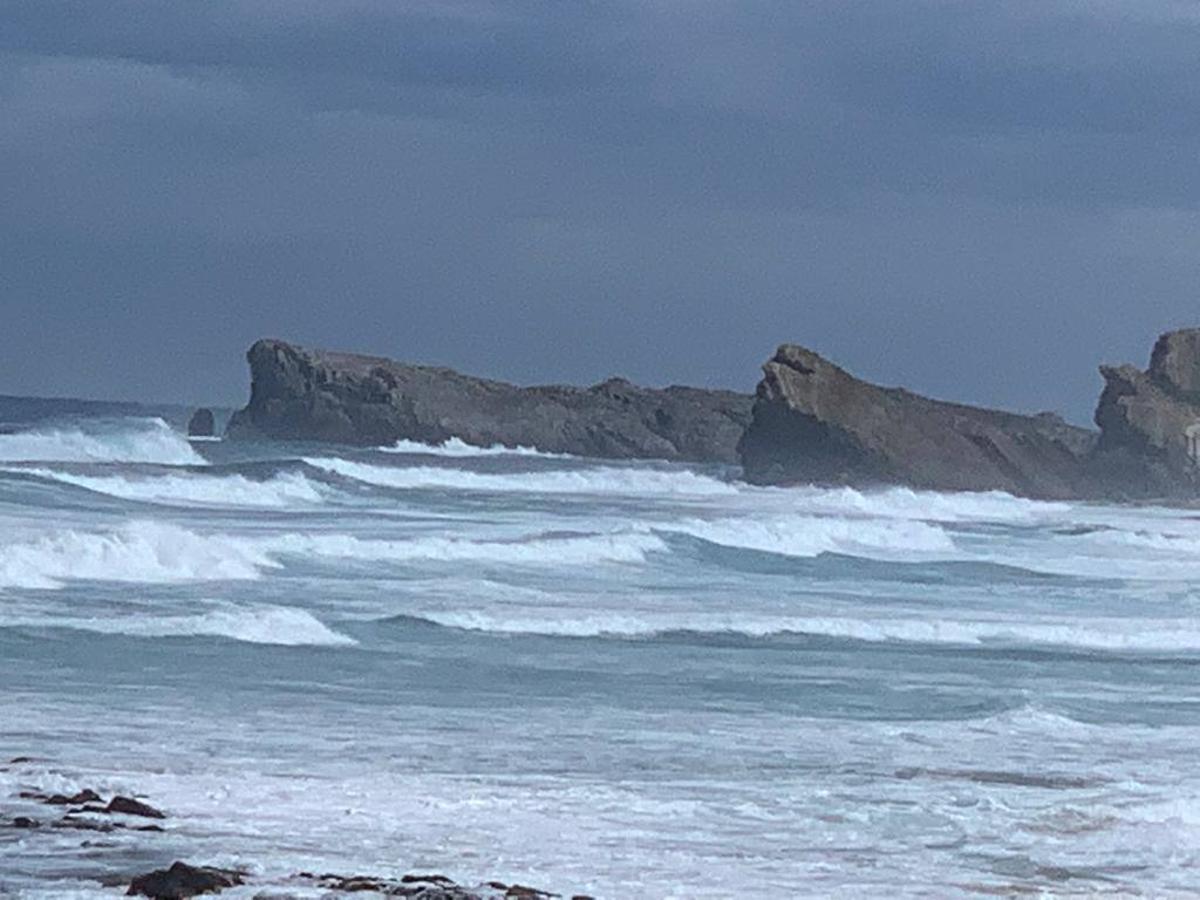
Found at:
(130, 440)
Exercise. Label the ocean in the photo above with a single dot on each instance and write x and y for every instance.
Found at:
(627, 680)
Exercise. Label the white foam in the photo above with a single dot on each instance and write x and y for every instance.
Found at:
(281, 491)
(252, 624)
(136, 440)
(458, 447)
(598, 481)
(807, 536)
(536, 551)
(148, 552)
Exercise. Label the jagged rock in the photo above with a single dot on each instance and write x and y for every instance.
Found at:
(131, 807)
(814, 422)
(300, 394)
(183, 880)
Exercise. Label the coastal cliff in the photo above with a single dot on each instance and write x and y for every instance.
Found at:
(814, 422)
(302, 394)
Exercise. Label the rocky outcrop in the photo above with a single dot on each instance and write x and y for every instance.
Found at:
(814, 422)
(1150, 421)
(299, 394)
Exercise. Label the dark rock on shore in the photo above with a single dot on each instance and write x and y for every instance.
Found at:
(300, 394)
(202, 423)
(814, 422)
(131, 807)
(182, 880)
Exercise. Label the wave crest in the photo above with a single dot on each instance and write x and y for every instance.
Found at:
(134, 440)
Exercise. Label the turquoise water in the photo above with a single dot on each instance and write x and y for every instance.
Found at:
(630, 680)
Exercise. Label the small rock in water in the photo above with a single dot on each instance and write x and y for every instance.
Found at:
(182, 880)
(202, 423)
(132, 807)
(25, 822)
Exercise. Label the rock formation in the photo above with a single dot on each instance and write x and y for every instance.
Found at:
(814, 422)
(300, 394)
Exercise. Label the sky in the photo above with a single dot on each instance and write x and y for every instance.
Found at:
(978, 201)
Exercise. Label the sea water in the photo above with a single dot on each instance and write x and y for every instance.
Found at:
(621, 679)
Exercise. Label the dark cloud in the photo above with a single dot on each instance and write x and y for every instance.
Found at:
(980, 200)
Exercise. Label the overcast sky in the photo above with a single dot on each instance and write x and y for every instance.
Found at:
(981, 201)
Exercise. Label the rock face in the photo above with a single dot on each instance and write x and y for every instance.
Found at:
(814, 422)
(299, 394)
(1150, 421)
(202, 424)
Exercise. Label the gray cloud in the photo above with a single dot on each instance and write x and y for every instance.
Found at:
(982, 201)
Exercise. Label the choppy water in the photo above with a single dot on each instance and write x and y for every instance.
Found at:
(636, 680)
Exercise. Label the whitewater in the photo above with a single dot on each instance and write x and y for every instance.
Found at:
(617, 679)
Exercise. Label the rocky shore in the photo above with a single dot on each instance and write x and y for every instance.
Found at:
(808, 422)
(32, 813)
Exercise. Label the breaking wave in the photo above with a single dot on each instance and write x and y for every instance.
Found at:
(136, 440)
(286, 489)
(456, 447)
(146, 552)
(602, 480)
